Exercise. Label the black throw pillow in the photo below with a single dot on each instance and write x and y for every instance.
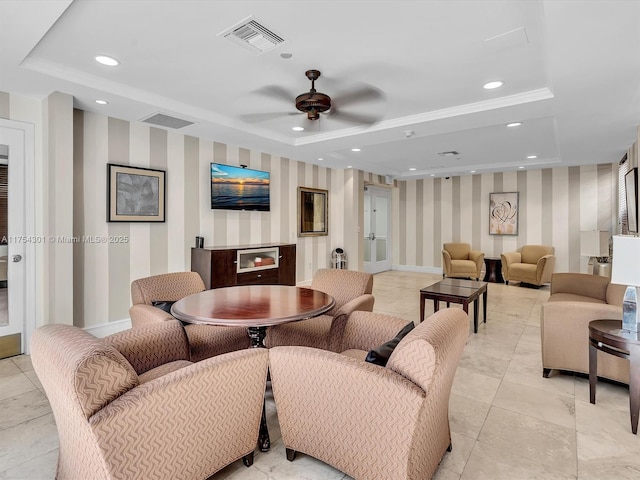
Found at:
(380, 355)
(163, 305)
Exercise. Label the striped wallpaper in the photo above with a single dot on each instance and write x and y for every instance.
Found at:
(554, 206)
(103, 272)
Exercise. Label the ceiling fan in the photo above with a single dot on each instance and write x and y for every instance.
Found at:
(313, 103)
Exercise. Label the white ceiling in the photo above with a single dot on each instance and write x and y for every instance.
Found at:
(571, 71)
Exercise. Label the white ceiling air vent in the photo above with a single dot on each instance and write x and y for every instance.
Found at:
(253, 36)
(166, 121)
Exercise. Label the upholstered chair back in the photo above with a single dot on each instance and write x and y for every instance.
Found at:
(80, 374)
(342, 285)
(458, 251)
(168, 287)
(533, 253)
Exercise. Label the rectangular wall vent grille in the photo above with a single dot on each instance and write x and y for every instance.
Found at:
(253, 36)
(167, 121)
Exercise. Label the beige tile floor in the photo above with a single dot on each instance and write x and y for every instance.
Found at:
(507, 421)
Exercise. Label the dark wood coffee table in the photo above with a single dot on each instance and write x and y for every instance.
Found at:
(255, 307)
(608, 336)
(453, 290)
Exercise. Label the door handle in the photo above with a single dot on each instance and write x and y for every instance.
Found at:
(16, 258)
(372, 236)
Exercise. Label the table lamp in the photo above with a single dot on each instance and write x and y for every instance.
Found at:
(595, 245)
(626, 271)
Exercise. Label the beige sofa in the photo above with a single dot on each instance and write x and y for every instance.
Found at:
(132, 406)
(372, 422)
(575, 300)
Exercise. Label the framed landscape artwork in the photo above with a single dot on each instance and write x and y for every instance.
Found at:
(135, 194)
(503, 213)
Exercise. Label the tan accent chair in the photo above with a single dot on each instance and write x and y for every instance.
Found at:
(575, 300)
(131, 406)
(458, 260)
(532, 264)
(205, 340)
(351, 291)
(368, 421)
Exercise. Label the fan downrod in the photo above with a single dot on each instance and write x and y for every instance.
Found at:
(313, 103)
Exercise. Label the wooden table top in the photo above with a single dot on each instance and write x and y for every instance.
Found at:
(252, 305)
(612, 330)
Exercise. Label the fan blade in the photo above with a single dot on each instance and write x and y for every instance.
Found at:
(365, 93)
(275, 91)
(261, 117)
(354, 117)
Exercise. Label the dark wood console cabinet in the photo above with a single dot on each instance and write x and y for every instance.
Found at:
(266, 264)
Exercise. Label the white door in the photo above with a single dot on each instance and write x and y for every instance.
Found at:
(14, 324)
(377, 230)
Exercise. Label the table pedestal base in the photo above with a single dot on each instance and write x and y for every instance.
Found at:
(257, 336)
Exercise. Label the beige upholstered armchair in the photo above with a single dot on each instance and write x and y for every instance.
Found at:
(575, 300)
(533, 265)
(458, 260)
(205, 340)
(132, 406)
(351, 291)
(372, 422)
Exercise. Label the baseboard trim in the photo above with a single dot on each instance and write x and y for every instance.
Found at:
(417, 269)
(110, 328)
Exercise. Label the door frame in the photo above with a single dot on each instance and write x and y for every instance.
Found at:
(375, 189)
(24, 133)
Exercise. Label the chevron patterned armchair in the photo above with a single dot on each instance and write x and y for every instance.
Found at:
(204, 340)
(372, 422)
(132, 405)
(352, 292)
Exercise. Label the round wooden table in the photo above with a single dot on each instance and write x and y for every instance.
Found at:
(255, 307)
(609, 337)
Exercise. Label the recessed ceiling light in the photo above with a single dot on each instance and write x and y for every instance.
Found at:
(320, 159)
(286, 55)
(349, 166)
(298, 129)
(473, 171)
(520, 167)
(102, 102)
(433, 174)
(356, 150)
(108, 61)
(412, 169)
(492, 85)
(514, 124)
(531, 157)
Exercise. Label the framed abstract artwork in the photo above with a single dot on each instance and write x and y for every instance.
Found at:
(503, 213)
(135, 194)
